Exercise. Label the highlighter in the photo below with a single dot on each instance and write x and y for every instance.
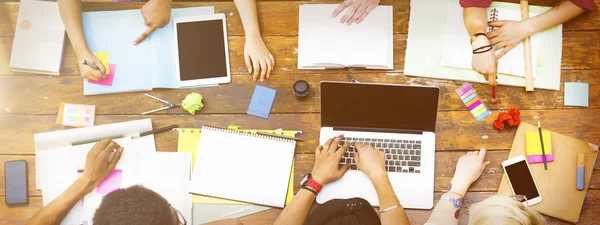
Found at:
(580, 171)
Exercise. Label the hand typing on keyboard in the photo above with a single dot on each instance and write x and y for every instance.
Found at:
(370, 160)
(327, 159)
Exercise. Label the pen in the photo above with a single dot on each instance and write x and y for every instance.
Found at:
(280, 136)
(130, 136)
(543, 151)
(85, 62)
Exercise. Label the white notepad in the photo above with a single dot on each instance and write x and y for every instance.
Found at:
(324, 42)
(457, 51)
(244, 167)
(39, 39)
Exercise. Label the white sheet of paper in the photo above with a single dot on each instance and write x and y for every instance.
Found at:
(61, 176)
(129, 164)
(58, 170)
(324, 40)
(168, 174)
(457, 51)
(64, 138)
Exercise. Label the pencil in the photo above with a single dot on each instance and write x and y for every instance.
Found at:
(543, 151)
(85, 62)
(280, 136)
(493, 94)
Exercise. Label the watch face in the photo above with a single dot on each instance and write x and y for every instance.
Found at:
(304, 179)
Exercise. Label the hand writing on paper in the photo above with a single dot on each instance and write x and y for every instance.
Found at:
(157, 14)
(508, 34)
(370, 160)
(327, 159)
(90, 72)
(258, 58)
(356, 10)
(468, 169)
(97, 164)
(485, 63)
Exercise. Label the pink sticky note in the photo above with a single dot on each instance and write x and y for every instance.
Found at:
(111, 183)
(539, 159)
(108, 80)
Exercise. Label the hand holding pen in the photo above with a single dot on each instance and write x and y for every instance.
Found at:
(91, 68)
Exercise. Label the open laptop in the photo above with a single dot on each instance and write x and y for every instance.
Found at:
(397, 119)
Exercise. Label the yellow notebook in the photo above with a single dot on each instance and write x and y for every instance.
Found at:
(532, 140)
(188, 142)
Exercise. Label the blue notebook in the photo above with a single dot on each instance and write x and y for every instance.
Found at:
(262, 101)
(142, 67)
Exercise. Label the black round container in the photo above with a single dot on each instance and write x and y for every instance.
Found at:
(301, 89)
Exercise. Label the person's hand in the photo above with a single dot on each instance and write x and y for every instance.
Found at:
(508, 34)
(98, 164)
(485, 63)
(157, 14)
(468, 169)
(90, 72)
(327, 160)
(356, 10)
(370, 160)
(258, 58)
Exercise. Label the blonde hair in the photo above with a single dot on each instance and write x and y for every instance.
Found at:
(502, 210)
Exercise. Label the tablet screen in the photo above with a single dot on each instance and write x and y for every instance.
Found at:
(201, 48)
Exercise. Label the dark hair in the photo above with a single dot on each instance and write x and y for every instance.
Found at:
(132, 206)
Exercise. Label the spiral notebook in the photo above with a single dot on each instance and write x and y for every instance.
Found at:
(456, 51)
(243, 167)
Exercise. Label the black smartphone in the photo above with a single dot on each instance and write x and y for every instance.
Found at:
(15, 180)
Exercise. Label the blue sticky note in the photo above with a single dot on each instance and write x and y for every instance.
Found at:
(576, 94)
(262, 101)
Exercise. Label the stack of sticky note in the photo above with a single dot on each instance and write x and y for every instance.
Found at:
(110, 70)
(534, 146)
(470, 98)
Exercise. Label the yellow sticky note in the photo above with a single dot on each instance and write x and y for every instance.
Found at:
(532, 141)
(188, 142)
(103, 57)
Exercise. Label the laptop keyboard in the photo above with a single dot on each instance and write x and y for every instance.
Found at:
(401, 156)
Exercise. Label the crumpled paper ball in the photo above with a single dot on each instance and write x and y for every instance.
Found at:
(192, 103)
(511, 117)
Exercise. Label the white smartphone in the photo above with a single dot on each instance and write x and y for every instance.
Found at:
(521, 180)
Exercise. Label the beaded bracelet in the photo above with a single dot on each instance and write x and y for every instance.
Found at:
(457, 202)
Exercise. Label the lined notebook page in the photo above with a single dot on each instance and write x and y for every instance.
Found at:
(243, 167)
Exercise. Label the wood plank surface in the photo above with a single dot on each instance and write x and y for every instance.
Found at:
(29, 103)
(270, 14)
(229, 98)
(581, 52)
(16, 215)
(455, 130)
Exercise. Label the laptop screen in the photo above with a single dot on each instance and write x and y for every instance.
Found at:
(378, 106)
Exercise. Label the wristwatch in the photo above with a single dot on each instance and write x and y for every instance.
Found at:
(309, 184)
(477, 35)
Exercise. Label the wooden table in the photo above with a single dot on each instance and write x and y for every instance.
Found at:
(29, 103)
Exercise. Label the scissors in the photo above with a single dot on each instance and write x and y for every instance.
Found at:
(167, 105)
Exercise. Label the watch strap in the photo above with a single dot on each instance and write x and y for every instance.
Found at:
(477, 35)
(314, 185)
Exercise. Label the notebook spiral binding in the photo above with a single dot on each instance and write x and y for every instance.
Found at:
(254, 135)
(493, 17)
